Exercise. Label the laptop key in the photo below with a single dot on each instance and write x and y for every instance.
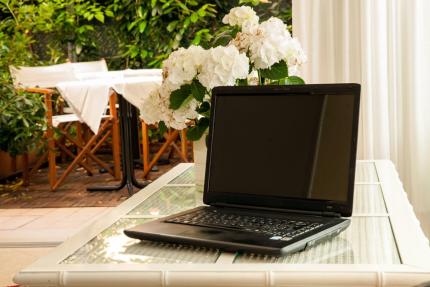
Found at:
(271, 226)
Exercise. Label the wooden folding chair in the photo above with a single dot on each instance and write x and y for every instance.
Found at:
(171, 136)
(109, 126)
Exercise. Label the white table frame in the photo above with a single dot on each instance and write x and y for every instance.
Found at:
(412, 246)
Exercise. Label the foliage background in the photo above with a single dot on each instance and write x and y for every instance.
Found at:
(127, 33)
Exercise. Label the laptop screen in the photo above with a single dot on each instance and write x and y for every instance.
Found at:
(292, 146)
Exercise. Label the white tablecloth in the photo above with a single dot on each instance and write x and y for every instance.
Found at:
(89, 96)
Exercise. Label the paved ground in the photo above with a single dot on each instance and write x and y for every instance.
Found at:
(73, 192)
(14, 259)
(27, 234)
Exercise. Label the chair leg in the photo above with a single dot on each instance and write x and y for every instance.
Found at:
(91, 155)
(80, 156)
(145, 147)
(184, 145)
(192, 150)
(52, 171)
(72, 156)
(80, 140)
(178, 151)
(171, 138)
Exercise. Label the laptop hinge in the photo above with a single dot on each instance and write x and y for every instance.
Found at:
(319, 213)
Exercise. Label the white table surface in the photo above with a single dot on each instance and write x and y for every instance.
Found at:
(384, 246)
(89, 96)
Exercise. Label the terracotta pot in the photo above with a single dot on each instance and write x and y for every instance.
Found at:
(10, 165)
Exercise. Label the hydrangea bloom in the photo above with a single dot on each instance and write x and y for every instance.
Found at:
(295, 54)
(269, 45)
(155, 108)
(242, 16)
(223, 66)
(182, 66)
(242, 41)
(266, 44)
(151, 109)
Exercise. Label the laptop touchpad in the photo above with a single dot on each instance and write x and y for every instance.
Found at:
(221, 235)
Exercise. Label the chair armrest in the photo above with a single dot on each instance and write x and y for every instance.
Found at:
(38, 90)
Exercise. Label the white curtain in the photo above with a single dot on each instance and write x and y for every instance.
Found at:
(385, 46)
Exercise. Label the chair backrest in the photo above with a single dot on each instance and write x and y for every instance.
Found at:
(90, 67)
(42, 76)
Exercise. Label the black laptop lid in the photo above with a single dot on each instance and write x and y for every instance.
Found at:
(283, 147)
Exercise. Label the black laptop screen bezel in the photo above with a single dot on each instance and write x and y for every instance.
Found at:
(211, 197)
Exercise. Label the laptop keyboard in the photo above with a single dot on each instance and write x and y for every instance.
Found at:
(279, 228)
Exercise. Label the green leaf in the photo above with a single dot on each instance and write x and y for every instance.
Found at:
(294, 80)
(201, 12)
(162, 127)
(171, 26)
(276, 71)
(183, 7)
(139, 12)
(109, 13)
(197, 90)
(194, 17)
(196, 40)
(143, 54)
(142, 26)
(131, 25)
(99, 16)
(179, 96)
(196, 132)
(204, 109)
(242, 82)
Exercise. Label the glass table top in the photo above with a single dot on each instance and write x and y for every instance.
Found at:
(112, 246)
(169, 200)
(368, 240)
(364, 172)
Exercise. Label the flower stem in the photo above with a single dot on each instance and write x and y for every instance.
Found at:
(260, 79)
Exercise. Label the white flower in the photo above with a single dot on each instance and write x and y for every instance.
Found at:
(223, 66)
(241, 16)
(182, 66)
(295, 54)
(155, 109)
(242, 41)
(269, 44)
(176, 119)
(151, 110)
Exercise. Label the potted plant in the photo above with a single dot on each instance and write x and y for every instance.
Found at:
(246, 52)
(22, 122)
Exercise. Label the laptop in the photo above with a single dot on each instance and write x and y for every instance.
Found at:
(279, 173)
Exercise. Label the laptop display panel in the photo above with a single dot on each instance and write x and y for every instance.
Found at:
(296, 152)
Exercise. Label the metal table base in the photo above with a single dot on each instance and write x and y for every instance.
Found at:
(127, 159)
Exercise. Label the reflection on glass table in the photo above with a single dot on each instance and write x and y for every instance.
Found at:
(112, 246)
(187, 177)
(169, 200)
(368, 240)
(366, 172)
(368, 199)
